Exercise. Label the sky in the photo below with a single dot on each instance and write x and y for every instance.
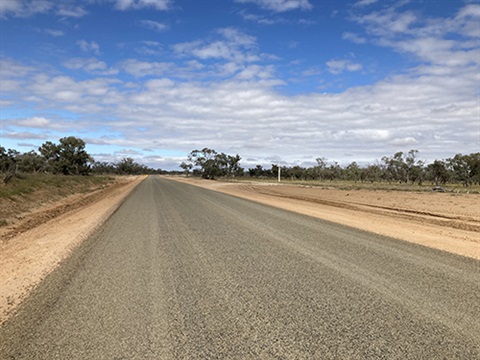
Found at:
(276, 81)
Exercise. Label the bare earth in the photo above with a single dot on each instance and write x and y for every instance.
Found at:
(449, 222)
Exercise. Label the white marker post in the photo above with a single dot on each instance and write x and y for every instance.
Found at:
(278, 173)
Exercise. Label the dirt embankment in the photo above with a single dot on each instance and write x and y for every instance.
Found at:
(449, 222)
(39, 240)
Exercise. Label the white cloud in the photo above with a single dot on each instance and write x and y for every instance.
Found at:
(237, 37)
(65, 90)
(12, 69)
(429, 40)
(432, 106)
(362, 3)
(257, 18)
(243, 114)
(470, 10)
(69, 10)
(438, 51)
(150, 48)
(256, 72)
(339, 66)
(354, 38)
(280, 5)
(53, 32)
(141, 4)
(127, 152)
(25, 135)
(28, 8)
(141, 68)
(24, 8)
(7, 7)
(389, 22)
(467, 19)
(405, 142)
(91, 46)
(154, 25)
(34, 122)
(90, 65)
(217, 49)
(234, 45)
(313, 71)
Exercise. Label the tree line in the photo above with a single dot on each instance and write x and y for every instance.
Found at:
(401, 167)
(67, 157)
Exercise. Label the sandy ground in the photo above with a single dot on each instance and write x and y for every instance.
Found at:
(445, 221)
(33, 248)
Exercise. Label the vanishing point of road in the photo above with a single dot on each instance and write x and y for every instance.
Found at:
(181, 272)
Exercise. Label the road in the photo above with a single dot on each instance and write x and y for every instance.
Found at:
(181, 272)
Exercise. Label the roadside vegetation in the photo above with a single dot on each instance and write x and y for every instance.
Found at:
(68, 158)
(402, 171)
(27, 192)
(57, 170)
(55, 185)
(55, 162)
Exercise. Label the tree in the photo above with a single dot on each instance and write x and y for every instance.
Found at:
(31, 162)
(353, 172)
(438, 173)
(374, 172)
(394, 167)
(68, 157)
(8, 160)
(186, 167)
(403, 168)
(413, 167)
(234, 168)
(8, 163)
(297, 172)
(321, 166)
(257, 171)
(220, 164)
(466, 168)
(205, 159)
(104, 168)
(212, 164)
(128, 166)
(334, 172)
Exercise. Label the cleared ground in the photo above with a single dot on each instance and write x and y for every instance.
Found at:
(184, 272)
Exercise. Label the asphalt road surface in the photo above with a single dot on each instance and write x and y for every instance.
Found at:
(180, 272)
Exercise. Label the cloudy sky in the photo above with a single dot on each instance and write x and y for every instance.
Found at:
(276, 81)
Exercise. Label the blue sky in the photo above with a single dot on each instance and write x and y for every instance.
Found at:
(276, 81)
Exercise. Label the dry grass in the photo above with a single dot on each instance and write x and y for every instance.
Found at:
(27, 192)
